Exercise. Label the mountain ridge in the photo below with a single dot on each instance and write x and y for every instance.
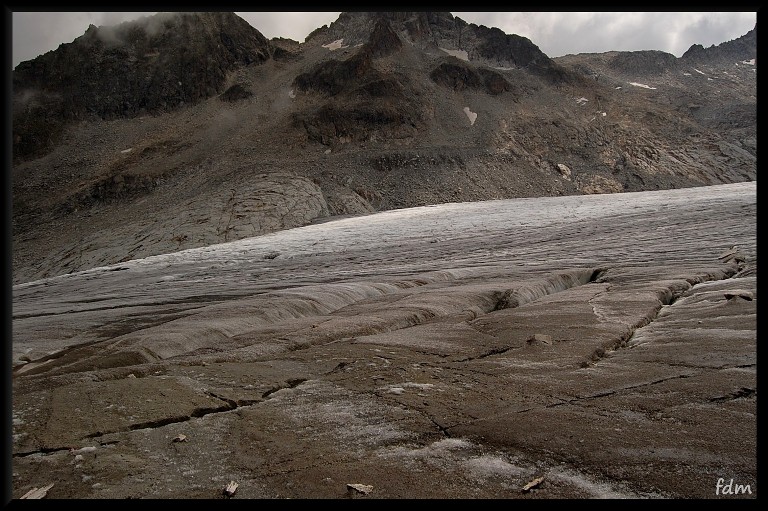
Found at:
(374, 111)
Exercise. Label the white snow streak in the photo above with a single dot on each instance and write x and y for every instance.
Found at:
(461, 54)
(471, 115)
(335, 45)
(642, 85)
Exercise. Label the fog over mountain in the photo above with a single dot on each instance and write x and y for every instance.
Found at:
(556, 33)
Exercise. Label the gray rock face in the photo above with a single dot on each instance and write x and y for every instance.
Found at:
(272, 203)
(484, 345)
(741, 48)
(457, 77)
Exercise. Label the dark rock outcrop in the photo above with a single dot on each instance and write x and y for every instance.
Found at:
(513, 48)
(384, 41)
(364, 101)
(150, 65)
(284, 49)
(458, 76)
(333, 76)
(493, 81)
(430, 28)
(455, 76)
(742, 48)
(237, 92)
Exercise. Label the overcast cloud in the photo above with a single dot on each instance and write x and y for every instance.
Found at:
(555, 33)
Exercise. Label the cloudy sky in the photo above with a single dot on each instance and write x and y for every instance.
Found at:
(555, 33)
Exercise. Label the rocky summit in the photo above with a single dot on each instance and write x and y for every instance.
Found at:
(183, 130)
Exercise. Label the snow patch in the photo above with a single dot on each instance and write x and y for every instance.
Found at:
(598, 489)
(644, 86)
(422, 386)
(461, 54)
(487, 466)
(291, 94)
(335, 45)
(126, 151)
(471, 115)
(687, 74)
(399, 389)
(581, 101)
(701, 73)
(447, 449)
(750, 62)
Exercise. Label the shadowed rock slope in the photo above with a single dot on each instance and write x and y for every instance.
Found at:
(147, 66)
(183, 130)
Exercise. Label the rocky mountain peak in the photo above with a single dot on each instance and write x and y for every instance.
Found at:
(153, 64)
(441, 31)
(356, 27)
(741, 48)
(383, 41)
